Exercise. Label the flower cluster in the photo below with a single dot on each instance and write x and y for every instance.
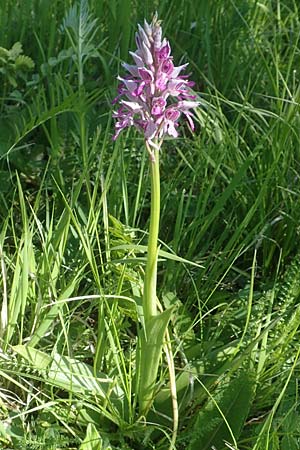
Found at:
(153, 95)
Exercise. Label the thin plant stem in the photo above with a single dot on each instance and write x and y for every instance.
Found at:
(155, 324)
(149, 301)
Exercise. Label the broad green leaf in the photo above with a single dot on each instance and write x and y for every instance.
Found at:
(70, 374)
(150, 355)
(74, 376)
(36, 358)
(92, 440)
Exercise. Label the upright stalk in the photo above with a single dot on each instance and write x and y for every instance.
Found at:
(149, 300)
(151, 337)
(152, 97)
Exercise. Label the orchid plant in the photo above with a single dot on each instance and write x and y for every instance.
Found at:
(152, 97)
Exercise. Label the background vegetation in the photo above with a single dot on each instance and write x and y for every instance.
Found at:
(74, 210)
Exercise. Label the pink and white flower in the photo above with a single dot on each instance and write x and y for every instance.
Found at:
(153, 96)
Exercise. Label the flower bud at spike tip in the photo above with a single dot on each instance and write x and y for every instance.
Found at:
(153, 95)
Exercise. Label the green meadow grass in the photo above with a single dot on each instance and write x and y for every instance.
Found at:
(74, 218)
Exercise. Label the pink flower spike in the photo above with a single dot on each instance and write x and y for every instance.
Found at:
(154, 94)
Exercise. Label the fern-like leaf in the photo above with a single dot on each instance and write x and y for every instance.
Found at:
(80, 28)
(24, 63)
(232, 401)
(290, 288)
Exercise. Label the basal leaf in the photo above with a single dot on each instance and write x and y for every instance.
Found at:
(76, 376)
(150, 354)
(39, 360)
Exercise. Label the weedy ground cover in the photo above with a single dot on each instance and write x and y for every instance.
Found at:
(74, 208)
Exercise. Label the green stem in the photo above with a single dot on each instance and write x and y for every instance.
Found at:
(149, 303)
(151, 337)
